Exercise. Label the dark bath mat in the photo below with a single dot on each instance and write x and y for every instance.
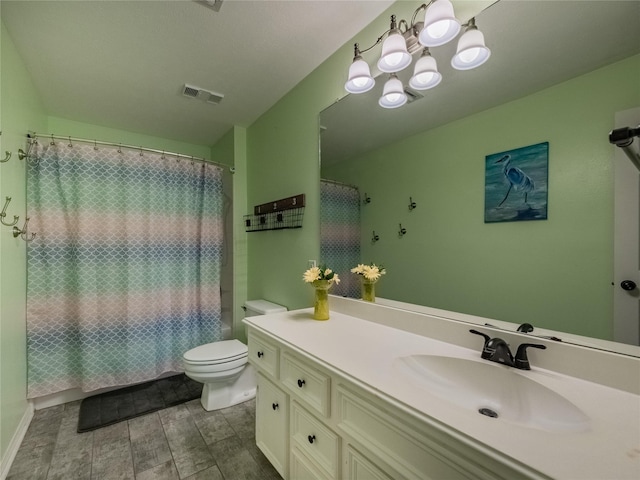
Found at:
(129, 402)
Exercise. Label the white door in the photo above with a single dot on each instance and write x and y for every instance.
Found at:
(626, 296)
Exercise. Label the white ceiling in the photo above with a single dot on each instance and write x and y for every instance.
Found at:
(122, 64)
(534, 44)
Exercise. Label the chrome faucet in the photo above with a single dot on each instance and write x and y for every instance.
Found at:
(497, 350)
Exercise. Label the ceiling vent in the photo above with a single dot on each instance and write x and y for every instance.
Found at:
(212, 4)
(202, 94)
(412, 95)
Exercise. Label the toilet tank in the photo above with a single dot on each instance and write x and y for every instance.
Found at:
(253, 308)
(261, 307)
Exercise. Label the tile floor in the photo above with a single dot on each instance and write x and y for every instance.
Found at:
(181, 442)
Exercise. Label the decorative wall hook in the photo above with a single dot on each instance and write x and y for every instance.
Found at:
(366, 199)
(402, 231)
(4, 214)
(412, 204)
(7, 156)
(24, 232)
(21, 154)
(374, 237)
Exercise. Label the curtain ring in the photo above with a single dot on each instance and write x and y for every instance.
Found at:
(120, 148)
(140, 148)
(52, 141)
(162, 155)
(191, 159)
(70, 144)
(95, 145)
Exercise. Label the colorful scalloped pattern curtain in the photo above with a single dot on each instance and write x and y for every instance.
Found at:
(340, 235)
(124, 271)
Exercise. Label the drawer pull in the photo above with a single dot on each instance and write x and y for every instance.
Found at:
(301, 383)
(260, 354)
(275, 406)
(311, 438)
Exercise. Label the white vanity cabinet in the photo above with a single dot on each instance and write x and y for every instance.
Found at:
(315, 423)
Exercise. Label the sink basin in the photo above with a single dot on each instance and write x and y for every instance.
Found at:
(494, 390)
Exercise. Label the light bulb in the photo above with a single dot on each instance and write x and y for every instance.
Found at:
(392, 97)
(424, 78)
(394, 59)
(469, 55)
(438, 29)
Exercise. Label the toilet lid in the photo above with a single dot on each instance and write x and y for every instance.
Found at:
(224, 351)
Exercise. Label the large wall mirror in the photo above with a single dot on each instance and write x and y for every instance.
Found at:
(559, 73)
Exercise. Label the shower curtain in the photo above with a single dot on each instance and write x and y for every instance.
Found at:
(340, 234)
(124, 271)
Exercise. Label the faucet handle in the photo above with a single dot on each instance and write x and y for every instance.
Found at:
(521, 360)
(525, 328)
(486, 337)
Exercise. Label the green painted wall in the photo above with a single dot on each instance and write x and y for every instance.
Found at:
(283, 160)
(554, 273)
(21, 109)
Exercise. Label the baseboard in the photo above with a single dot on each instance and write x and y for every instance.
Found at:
(16, 440)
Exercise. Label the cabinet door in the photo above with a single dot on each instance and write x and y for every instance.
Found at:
(361, 468)
(272, 424)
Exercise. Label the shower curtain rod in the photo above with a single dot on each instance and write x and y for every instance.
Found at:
(341, 184)
(35, 136)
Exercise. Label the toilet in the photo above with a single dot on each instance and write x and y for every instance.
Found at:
(222, 366)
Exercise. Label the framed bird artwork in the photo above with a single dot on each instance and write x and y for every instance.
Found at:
(516, 184)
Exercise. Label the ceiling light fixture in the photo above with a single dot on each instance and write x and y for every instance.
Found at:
(404, 39)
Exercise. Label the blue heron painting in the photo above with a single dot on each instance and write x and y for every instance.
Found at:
(516, 184)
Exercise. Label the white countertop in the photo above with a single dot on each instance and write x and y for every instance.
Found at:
(364, 352)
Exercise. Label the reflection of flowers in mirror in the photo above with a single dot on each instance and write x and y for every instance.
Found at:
(371, 272)
(317, 274)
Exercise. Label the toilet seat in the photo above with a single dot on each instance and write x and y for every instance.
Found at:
(217, 353)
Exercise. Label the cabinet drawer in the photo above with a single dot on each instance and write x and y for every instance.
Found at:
(302, 468)
(306, 382)
(315, 440)
(272, 424)
(263, 354)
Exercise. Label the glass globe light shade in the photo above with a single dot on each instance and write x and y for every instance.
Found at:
(425, 73)
(471, 52)
(393, 95)
(440, 24)
(360, 79)
(394, 55)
